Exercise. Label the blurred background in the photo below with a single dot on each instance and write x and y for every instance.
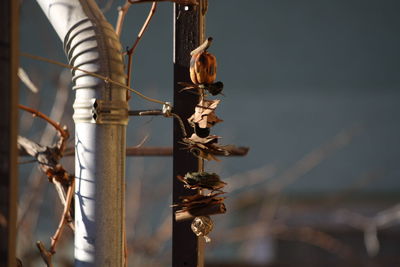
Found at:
(311, 86)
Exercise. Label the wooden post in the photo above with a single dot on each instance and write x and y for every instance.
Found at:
(8, 130)
(187, 249)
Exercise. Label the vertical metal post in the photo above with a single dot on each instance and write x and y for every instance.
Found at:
(8, 130)
(187, 249)
(100, 116)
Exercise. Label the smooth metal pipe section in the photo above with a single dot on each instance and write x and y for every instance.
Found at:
(101, 116)
(99, 192)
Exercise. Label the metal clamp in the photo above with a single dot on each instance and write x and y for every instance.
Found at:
(100, 111)
(167, 109)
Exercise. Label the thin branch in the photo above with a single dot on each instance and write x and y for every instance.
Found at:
(371, 225)
(139, 36)
(48, 159)
(260, 229)
(32, 196)
(107, 6)
(64, 218)
(46, 255)
(301, 167)
(316, 238)
(122, 11)
(63, 132)
(314, 158)
(24, 77)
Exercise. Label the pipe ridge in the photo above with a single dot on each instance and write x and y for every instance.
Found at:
(105, 42)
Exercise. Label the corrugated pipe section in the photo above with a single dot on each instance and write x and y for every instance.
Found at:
(101, 116)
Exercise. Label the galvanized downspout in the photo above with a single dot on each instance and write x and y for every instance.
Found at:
(101, 116)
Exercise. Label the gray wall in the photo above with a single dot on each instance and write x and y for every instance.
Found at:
(296, 74)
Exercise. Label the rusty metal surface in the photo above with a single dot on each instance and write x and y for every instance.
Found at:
(185, 246)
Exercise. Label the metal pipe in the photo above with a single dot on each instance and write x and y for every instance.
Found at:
(101, 116)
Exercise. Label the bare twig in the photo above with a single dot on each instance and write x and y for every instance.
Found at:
(47, 157)
(362, 181)
(65, 216)
(251, 178)
(122, 11)
(312, 159)
(316, 238)
(32, 195)
(24, 77)
(371, 225)
(107, 6)
(63, 131)
(46, 255)
(260, 229)
(139, 36)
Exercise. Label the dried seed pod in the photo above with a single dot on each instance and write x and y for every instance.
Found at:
(215, 88)
(203, 68)
(201, 132)
(202, 226)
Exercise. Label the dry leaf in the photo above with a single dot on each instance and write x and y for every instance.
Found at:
(199, 201)
(211, 138)
(202, 180)
(204, 114)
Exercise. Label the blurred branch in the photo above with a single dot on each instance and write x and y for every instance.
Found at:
(32, 197)
(370, 225)
(24, 77)
(316, 238)
(307, 235)
(313, 159)
(152, 244)
(48, 158)
(303, 166)
(63, 132)
(251, 177)
(362, 181)
(107, 6)
(122, 11)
